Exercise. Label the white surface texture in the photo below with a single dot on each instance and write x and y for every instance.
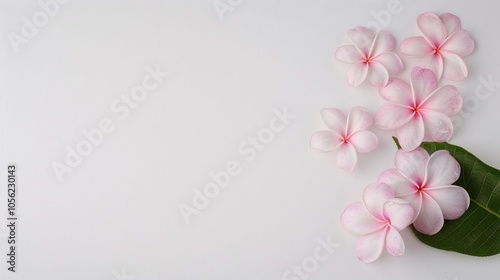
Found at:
(116, 215)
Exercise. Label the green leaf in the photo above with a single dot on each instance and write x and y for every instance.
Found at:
(477, 232)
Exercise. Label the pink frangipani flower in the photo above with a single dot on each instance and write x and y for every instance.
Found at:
(371, 56)
(347, 135)
(426, 183)
(378, 220)
(442, 45)
(418, 111)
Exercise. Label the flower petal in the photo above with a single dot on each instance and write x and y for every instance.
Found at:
(334, 119)
(357, 220)
(459, 43)
(394, 243)
(415, 201)
(357, 74)
(454, 67)
(364, 141)
(370, 247)
(325, 141)
(384, 42)
(390, 61)
(433, 62)
(452, 200)
(415, 46)
(442, 169)
(423, 83)
(362, 38)
(374, 198)
(348, 54)
(358, 119)
(397, 91)
(438, 126)
(451, 22)
(445, 99)
(433, 29)
(377, 74)
(399, 183)
(391, 116)
(346, 157)
(430, 219)
(399, 213)
(411, 134)
(412, 164)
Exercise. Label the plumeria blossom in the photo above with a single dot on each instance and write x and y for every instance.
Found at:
(378, 220)
(442, 45)
(371, 56)
(347, 135)
(426, 183)
(418, 111)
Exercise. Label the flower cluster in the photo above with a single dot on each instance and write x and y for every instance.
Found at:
(419, 190)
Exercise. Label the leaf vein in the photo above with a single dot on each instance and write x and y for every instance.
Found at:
(469, 232)
(486, 208)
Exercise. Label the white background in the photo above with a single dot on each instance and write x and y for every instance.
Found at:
(119, 208)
